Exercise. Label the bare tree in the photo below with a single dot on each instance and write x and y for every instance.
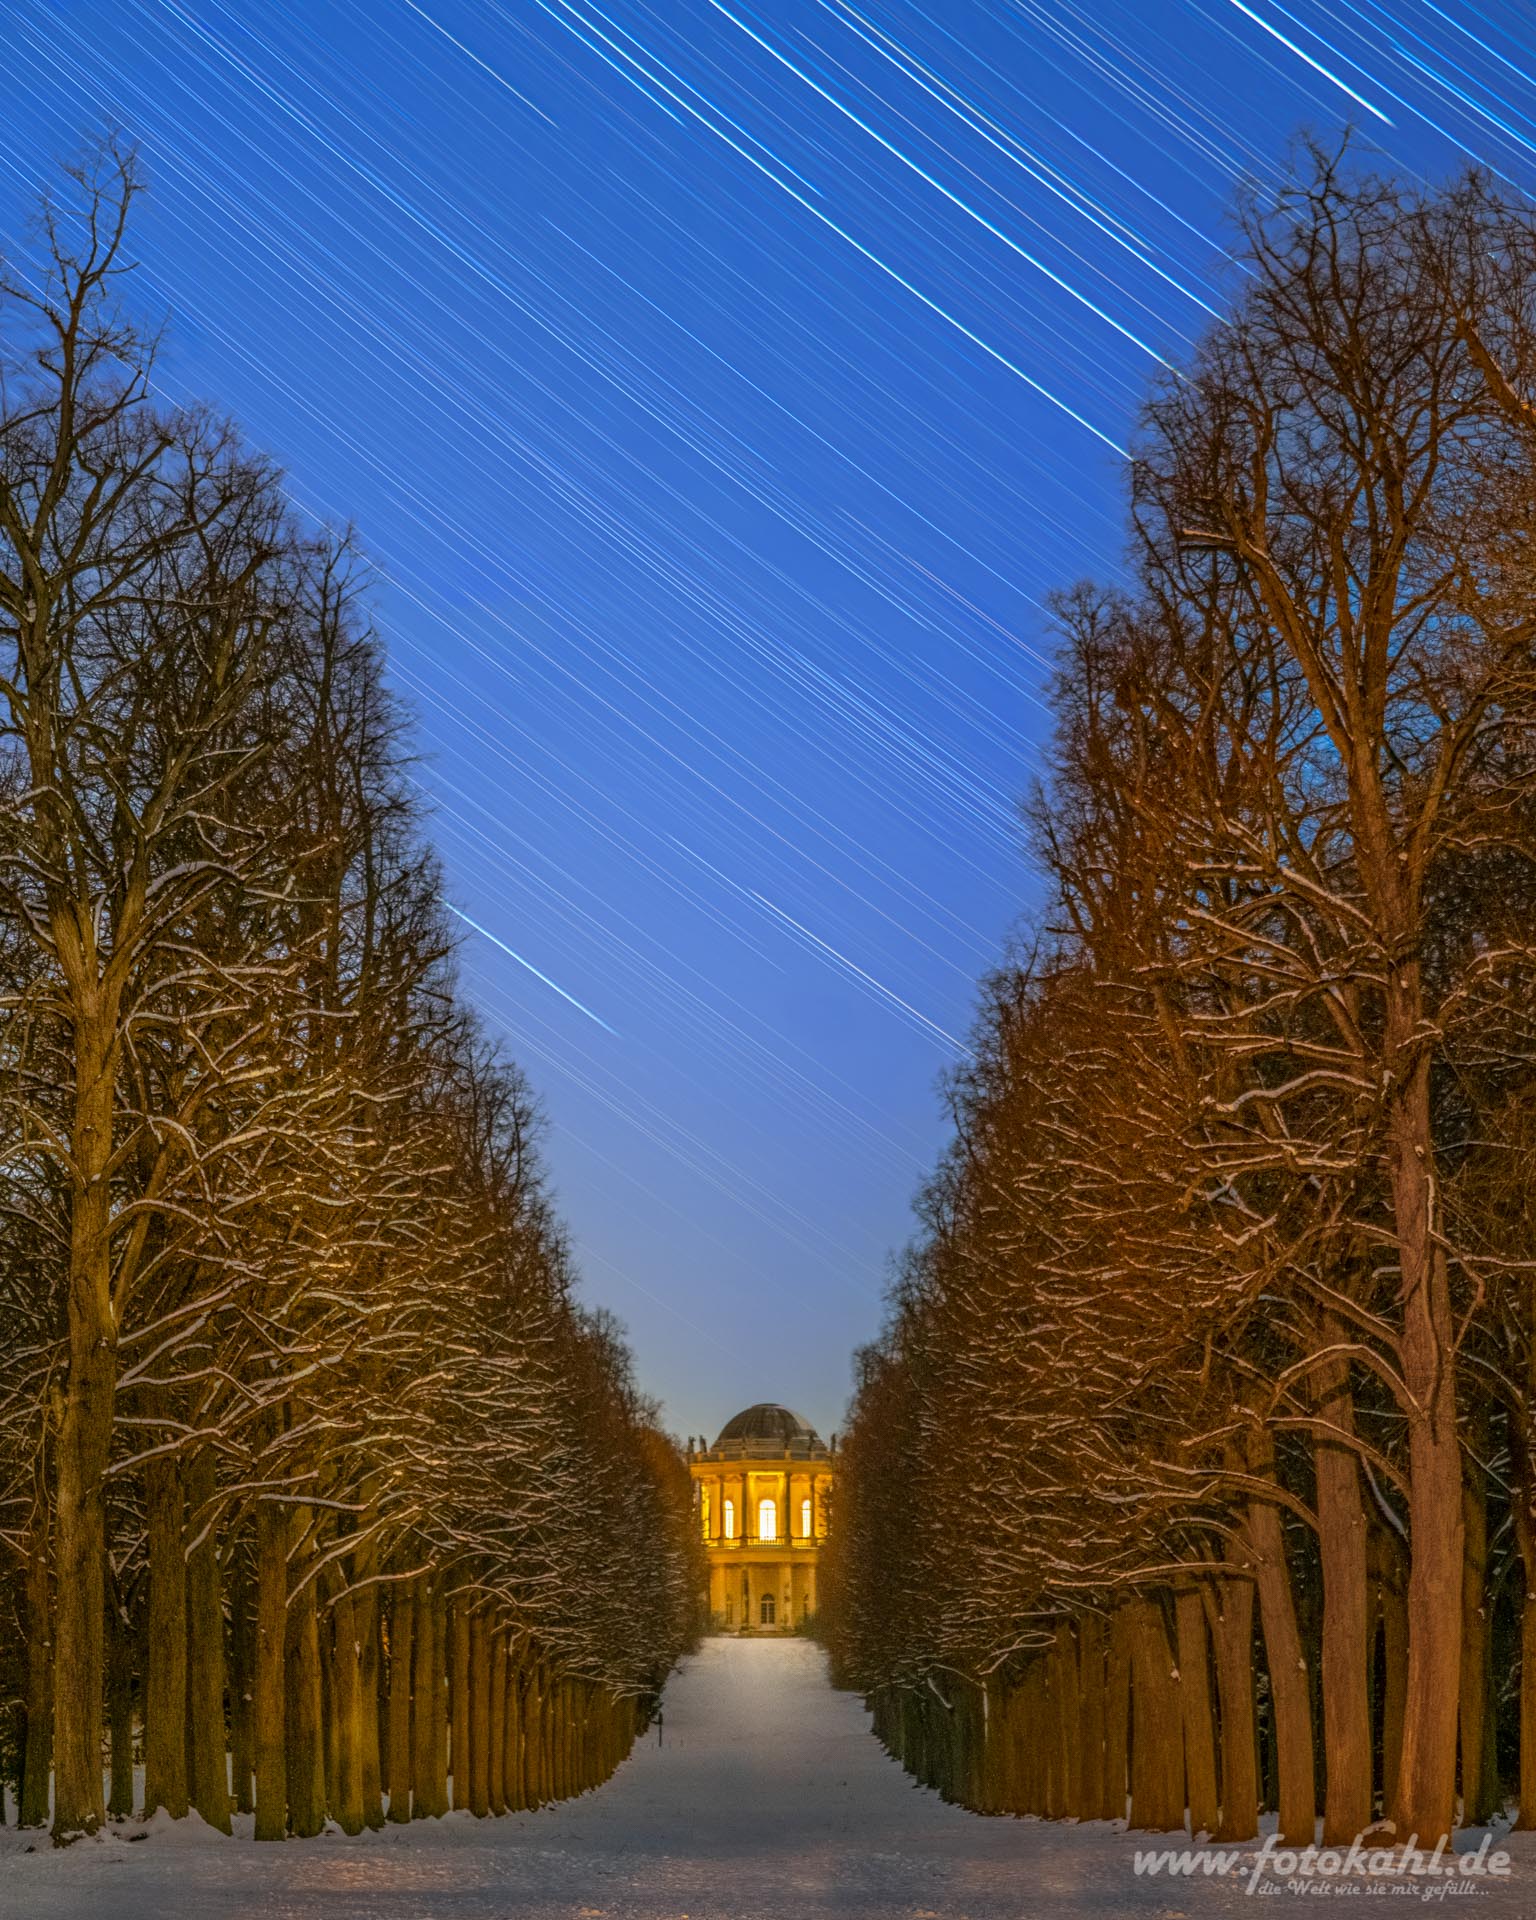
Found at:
(290, 1337)
(1222, 1206)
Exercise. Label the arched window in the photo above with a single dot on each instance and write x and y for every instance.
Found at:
(767, 1520)
(730, 1519)
(765, 1610)
(805, 1518)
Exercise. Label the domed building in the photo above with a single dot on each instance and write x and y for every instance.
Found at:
(760, 1495)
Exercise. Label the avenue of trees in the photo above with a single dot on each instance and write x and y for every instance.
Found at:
(1195, 1471)
(318, 1490)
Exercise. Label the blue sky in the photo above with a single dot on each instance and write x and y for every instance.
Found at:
(718, 393)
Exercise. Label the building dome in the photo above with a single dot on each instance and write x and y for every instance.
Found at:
(769, 1424)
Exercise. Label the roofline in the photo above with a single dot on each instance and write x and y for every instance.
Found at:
(763, 1450)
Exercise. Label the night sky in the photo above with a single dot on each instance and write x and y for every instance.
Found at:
(718, 394)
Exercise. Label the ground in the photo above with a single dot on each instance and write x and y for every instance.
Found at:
(762, 1796)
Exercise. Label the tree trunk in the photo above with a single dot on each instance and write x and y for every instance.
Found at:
(1424, 1801)
(1157, 1724)
(401, 1611)
(440, 1703)
(554, 1729)
(1523, 1509)
(365, 1614)
(37, 1747)
(84, 1438)
(1229, 1615)
(306, 1731)
(242, 1680)
(571, 1728)
(165, 1689)
(478, 1680)
(1091, 1697)
(426, 1705)
(1117, 1702)
(207, 1765)
(1027, 1732)
(1199, 1722)
(269, 1690)
(1394, 1637)
(498, 1727)
(969, 1786)
(119, 1704)
(1290, 1693)
(458, 1699)
(1479, 1762)
(1346, 1635)
(347, 1709)
(1069, 1748)
(533, 1740)
(325, 1666)
(517, 1798)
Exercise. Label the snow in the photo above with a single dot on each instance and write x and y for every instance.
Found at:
(765, 1798)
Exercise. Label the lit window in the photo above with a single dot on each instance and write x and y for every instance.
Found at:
(730, 1519)
(767, 1520)
(805, 1518)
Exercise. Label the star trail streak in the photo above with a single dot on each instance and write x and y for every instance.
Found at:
(512, 954)
(720, 393)
(1316, 65)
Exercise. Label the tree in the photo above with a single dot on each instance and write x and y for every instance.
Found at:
(290, 1337)
(1216, 1175)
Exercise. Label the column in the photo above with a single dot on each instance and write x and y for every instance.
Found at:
(786, 1531)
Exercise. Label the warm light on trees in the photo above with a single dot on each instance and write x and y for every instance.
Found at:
(311, 1467)
(1221, 1303)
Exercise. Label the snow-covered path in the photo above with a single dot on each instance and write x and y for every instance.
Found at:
(767, 1799)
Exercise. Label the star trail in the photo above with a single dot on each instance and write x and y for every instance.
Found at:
(719, 393)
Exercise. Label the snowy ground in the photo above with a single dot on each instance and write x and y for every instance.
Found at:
(767, 1799)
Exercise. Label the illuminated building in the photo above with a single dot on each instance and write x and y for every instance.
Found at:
(760, 1496)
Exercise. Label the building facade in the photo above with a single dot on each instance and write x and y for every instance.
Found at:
(760, 1499)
